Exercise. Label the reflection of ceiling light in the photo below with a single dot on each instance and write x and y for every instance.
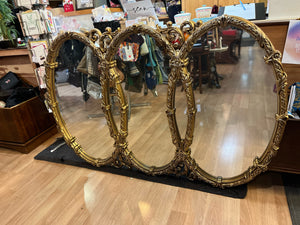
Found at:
(250, 58)
(144, 209)
(245, 77)
(229, 147)
(250, 63)
(198, 106)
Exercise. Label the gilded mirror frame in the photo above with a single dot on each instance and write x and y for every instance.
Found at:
(50, 96)
(182, 164)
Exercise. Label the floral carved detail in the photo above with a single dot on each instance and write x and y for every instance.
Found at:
(172, 42)
(173, 34)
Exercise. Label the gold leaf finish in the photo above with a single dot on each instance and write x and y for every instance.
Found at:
(182, 163)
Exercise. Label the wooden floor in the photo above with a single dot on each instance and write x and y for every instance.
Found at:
(39, 192)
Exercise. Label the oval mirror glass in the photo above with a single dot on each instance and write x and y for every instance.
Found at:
(78, 93)
(145, 87)
(236, 110)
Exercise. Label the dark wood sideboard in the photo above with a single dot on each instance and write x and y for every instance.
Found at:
(288, 157)
(19, 62)
(26, 125)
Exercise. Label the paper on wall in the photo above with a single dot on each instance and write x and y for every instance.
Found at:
(139, 9)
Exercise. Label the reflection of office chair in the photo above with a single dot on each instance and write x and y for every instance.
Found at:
(216, 46)
(232, 38)
(200, 66)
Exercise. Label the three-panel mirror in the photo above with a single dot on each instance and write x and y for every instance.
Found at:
(206, 102)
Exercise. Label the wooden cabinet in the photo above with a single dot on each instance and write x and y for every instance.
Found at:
(26, 125)
(17, 61)
(288, 157)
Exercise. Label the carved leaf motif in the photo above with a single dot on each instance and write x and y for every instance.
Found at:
(172, 42)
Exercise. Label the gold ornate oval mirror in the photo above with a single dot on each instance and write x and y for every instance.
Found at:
(237, 104)
(75, 93)
(240, 116)
(147, 85)
(148, 123)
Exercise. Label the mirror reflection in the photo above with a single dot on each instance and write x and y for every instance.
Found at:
(227, 123)
(145, 86)
(78, 93)
(236, 104)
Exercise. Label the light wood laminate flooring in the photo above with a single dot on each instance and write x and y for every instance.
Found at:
(40, 192)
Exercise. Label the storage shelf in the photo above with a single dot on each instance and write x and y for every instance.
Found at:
(13, 52)
(61, 12)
